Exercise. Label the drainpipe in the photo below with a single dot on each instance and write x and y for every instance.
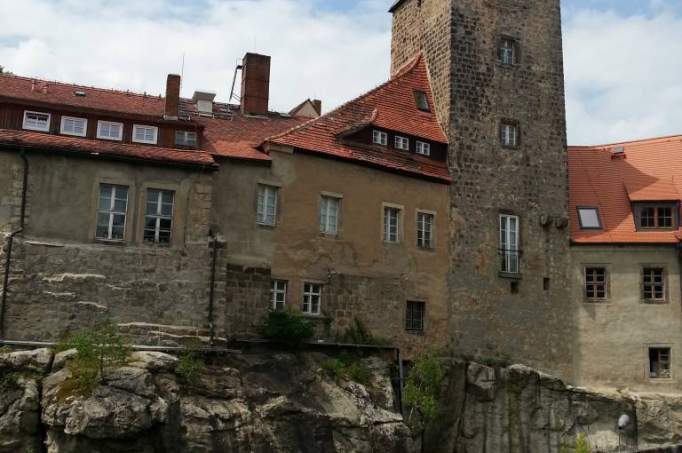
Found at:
(211, 291)
(10, 243)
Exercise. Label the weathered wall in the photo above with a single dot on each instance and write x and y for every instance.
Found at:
(529, 181)
(62, 279)
(11, 178)
(361, 275)
(613, 337)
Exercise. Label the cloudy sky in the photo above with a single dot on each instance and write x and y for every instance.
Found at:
(623, 65)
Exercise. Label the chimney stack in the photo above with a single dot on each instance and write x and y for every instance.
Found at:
(172, 97)
(255, 84)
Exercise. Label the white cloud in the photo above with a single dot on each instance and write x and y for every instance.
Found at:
(119, 44)
(622, 76)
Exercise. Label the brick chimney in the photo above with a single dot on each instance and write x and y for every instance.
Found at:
(255, 84)
(172, 97)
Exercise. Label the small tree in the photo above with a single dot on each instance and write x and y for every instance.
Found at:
(421, 391)
(287, 327)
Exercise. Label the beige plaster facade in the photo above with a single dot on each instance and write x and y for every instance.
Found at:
(613, 336)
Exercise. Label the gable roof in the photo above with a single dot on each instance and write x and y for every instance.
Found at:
(390, 106)
(650, 170)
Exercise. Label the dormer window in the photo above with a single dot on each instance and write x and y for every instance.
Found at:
(422, 101)
(36, 121)
(655, 216)
(186, 138)
(380, 138)
(109, 130)
(423, 148)
(402, 143)
(145, 134)
(589, 218)
(74, 126)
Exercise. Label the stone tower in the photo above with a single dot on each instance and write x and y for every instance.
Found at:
(496, 69)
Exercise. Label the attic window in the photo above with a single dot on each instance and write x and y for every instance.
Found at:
(652, 216)
(422, 102)
(36, 121)
(380, 137)
(589, 219)
(186, 138)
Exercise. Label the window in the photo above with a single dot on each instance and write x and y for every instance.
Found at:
(414, 316)
(507, 51)
(185, 138)
(145, 134)
(653, 284)
(424, 230)
(653, 217)
(589, 219)
(74, 126)
(111, 212)
(278, 294)
(36, 121)
(422, 101)
(509, 135)
(391, 225)
(380, 138)
(402, 143)
(109, 130)
(158, 216)
(312, 293)
(423, 148)
(595, 283)
(509, 243)
(659, 363)
(266, 212)
(329, 215)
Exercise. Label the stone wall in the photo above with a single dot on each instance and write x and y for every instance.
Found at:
(474, 93)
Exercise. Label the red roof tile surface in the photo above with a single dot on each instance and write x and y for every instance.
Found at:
(391, 106)
(650, 171)
(89, 147)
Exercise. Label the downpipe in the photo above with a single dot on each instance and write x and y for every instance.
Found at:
(10, 243)
(211, 290)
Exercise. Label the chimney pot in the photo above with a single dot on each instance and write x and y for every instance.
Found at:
(172, 97)
(255, 84)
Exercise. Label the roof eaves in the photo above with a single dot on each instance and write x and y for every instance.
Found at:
(395, 6)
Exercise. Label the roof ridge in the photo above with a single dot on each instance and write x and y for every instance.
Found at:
(406, 69)
(75, 85)
(664, 138)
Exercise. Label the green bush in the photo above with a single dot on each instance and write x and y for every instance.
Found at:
(357, 333)
(422, 390)
(190, 364)
(581, 445)
(335, 368)
(347, 367)
(286, 327)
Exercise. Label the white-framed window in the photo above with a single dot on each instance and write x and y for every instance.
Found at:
(379, 137)
(36, 121)
(509, 243)
(74, 126)
(507, 51)
(425, 230)
(158, 216)
(589, 218)
(111, 212)
(278, 294)
(402, 143)
(110, 130)
(145, 134)
(266, 210)
(391, 224)
(329, 214)
(312, 298)
(185, 138)
(509, 134)
(423, 148)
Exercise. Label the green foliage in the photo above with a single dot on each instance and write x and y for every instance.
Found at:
(581, 445)
(357, 333)
(190, 364)
(349, 368)
(422, 390)
(287, 327)
(6, 349)
(9, 381)
(97, 350)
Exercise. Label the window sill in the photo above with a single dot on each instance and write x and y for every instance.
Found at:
(596, 301)
(653, 302)
(418, 333)
(662, 380)
(509, 275)
(266, 226)
(426, 249)
(110, 242)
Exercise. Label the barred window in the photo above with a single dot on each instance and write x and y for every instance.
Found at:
(424, 230)
(158, 218)
(506, 52)
(653, 284)
(111, 212)
(595, 283)
(312, 295)
(414, 316)
(659, 363)
(278, 294)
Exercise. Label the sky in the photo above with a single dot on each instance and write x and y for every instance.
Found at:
(622, 65)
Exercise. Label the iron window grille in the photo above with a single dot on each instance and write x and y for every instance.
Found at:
(414, 316)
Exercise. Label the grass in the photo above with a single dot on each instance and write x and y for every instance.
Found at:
(347, 368)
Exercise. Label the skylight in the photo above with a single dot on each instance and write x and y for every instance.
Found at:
(589, 218)
(422, 102)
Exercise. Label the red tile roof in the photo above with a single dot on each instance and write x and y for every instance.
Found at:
(650, 171)
(87, 147)
(391, 106)
(34, 90)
